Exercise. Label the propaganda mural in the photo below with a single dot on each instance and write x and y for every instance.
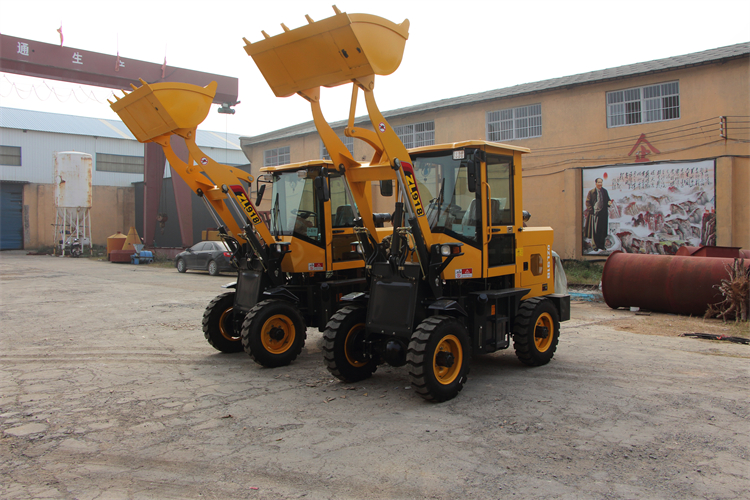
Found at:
(654, 208)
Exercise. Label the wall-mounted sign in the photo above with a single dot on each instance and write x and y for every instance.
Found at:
(654, 208)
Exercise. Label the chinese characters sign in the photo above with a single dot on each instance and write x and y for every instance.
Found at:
(653, 208)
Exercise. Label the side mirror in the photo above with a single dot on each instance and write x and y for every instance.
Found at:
(259, 197)
(471, 175)
(386, 188)
(321, 186)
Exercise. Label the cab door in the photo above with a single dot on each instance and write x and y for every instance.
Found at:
(498, 218)
(342, 214)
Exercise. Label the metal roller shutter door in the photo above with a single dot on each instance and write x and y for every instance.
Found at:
(11, 216)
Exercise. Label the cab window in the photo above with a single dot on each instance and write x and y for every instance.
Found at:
(343, 208)
(294, 208)
(443, 187)
(499, 180)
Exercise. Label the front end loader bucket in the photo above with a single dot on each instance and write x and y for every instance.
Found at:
(329, 52)
(162, 108)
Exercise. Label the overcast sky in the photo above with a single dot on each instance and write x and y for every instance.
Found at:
(455, 47)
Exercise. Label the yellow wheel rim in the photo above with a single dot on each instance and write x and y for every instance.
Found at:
(541, 341)
(277, 334)
(225, 326)
(350, 338)
(449, 348)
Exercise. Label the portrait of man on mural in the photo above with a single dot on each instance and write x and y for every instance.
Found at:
(597, 215)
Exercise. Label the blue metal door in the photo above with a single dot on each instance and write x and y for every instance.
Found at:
(11, 216)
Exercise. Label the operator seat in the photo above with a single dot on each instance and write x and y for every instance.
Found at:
(470, 217)
(344, 216)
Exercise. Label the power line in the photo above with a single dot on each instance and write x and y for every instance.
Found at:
(608, 147)
(61, 95)
(616, 159)
(628, 139)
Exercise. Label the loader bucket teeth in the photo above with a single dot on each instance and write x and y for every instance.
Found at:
(162, 108)
(329, 52)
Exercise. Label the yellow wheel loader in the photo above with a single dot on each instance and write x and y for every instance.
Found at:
(290, 275)
(459, 274)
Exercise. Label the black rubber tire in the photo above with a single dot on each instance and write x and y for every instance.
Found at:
(430, 378)
(213, 268)
(181, 266)
(340, 347)
(270, 317)
(532, 347)
(218, 325)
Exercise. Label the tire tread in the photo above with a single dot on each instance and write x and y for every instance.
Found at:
(264, 358)
(218, 342)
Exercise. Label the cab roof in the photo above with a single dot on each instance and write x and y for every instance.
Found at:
(298, 166)
(486, 145)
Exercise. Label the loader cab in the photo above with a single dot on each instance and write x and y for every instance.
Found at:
(473, 190)
(310, 208)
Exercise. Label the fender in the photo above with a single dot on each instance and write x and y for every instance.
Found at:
(447, 305)
(280, 292)
(356, 298)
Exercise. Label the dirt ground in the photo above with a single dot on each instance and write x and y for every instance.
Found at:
(108, 390)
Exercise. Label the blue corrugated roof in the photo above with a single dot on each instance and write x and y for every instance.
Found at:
(57, 123)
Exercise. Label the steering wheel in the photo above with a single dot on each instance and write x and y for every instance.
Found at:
(304, 214)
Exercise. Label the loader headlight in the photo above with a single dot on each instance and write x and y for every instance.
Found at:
(357, 248)
(451, 249)
(280, 248)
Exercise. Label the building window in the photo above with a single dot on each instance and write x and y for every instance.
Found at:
(654, 103)
(416, 134)
(515, 123)
(275, 157)
(119, 163)
(348, 142)
(10, 155)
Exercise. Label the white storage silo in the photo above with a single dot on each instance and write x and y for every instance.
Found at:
(73, 192)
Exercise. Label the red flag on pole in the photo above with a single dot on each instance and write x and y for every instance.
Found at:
(59, 30)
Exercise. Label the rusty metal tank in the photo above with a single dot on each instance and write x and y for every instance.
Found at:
(711, 251)
(676, 284)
